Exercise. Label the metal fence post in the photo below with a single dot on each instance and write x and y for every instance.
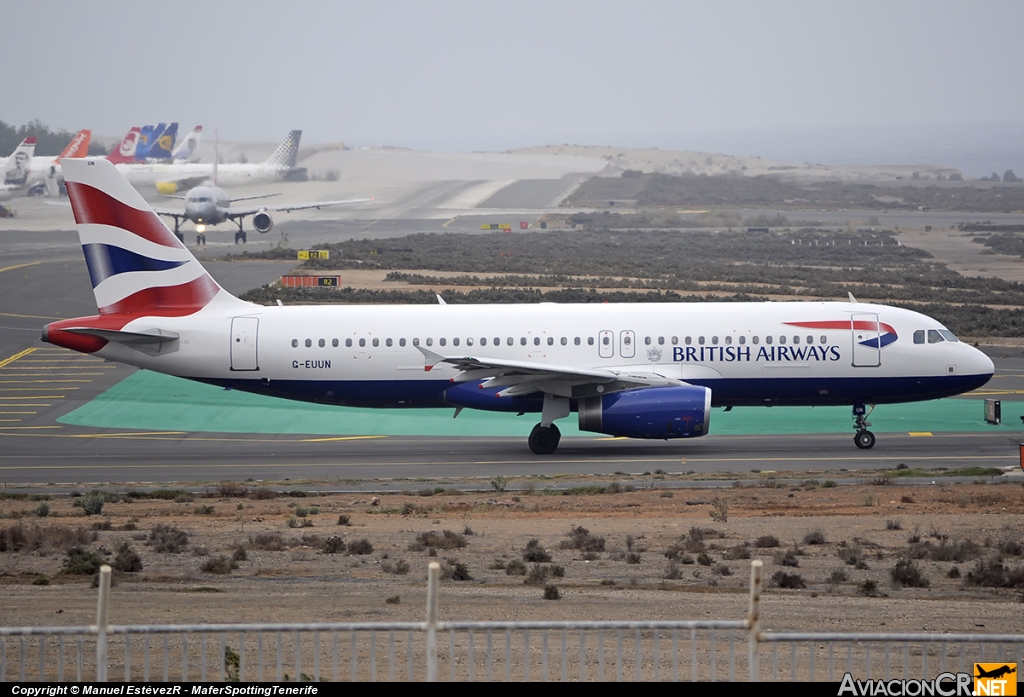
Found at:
(101, 624)
(433, 577)
(754, 622)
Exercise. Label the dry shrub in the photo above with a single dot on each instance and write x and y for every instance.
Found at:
(267, 541)
(167, 538)
(445, 539)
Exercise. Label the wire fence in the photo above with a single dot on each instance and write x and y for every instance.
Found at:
(709, 650)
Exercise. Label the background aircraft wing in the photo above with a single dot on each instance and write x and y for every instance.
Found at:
(242, 212)
(178, 215)
(523, 377)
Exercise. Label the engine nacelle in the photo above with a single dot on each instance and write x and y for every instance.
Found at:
(652, 412)
(262, 222)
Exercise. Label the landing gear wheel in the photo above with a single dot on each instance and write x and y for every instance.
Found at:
(200, 239)
(865, 440)
(243, 238)
(544, 441)
(238, 236)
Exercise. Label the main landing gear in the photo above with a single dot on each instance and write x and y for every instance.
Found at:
(544, 441)
(200, 238)
(240, 235)
(545, 436)
(864, 438)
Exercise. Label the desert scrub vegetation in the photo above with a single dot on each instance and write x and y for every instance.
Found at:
(446, 539)
(906, 574)
(580, 538)
(535, 552)
(35, 537)
(167, 538)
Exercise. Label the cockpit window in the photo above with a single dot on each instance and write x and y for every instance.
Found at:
(934, 337)
(919, 336)
(948, 335)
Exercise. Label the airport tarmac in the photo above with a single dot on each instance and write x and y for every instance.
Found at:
(44, 278)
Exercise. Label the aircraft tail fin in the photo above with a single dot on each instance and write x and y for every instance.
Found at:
(284, 156)
(188, 146)
(19, 164)
(137, 266)
(163, 145)
(125, 152)
(147, 138)
(79, 145)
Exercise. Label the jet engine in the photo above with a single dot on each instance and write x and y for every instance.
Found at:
(262, 222)
(652, 412)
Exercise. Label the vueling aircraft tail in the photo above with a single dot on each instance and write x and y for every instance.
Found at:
(284, 156)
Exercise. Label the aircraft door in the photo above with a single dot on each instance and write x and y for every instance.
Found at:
(627, 343)
(244, 331)
(605, 344)
(867, 350)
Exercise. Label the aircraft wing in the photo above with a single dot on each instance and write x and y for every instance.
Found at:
(250, 198)
(178, 214)
(519, 378)
(242, 212)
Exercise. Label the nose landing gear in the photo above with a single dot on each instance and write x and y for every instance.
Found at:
(864, 438)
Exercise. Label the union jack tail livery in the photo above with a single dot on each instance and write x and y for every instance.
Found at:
(137, 266)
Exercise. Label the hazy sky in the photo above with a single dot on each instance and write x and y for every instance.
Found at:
(481, 75)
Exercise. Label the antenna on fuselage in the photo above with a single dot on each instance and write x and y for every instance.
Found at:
(852, 299)
(440, 300)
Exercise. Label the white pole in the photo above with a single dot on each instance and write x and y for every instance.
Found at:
(433, 577)
(101, 624)
(754, 621)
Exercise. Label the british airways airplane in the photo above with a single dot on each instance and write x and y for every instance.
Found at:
(634, 370)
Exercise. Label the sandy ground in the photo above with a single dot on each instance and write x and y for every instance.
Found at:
(630, 578)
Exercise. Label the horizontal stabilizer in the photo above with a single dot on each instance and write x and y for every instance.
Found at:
(155, 336)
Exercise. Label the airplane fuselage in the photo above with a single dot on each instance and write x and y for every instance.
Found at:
(748, 354)
(207, 205)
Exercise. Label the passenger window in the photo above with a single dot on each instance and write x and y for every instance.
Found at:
(590, 341)
(605, 340)
(810, 339)
(442, 342)
(388, 343)
(321, 343)
(455, 341)
(551, 341)
(348, 343)
(376, 343)
(401, 342)
(934, 337)
(647, 340)
(919, 336)
(782, 339)
(362, 343)
(430, 342)
(661, 341)
(754, 340)
(415, 342)
(565, 341)
(295, 343)
(796, 339)
(675, 341)
(576, 341)
(469, 341)
(824, 339)
(700, 340)
(714, 341)
(497, 341)
(743, 339)
(768, 339)
(334, 343)
(522, 341)
(629, 340)
(686, 341)
(510, 341)
(728, 341)
(309, 342)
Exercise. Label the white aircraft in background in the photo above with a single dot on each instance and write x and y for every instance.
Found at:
(188, 145)
(210, 205)
(182, 175)
(17, 168)
(634, 370)
(46, 177)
